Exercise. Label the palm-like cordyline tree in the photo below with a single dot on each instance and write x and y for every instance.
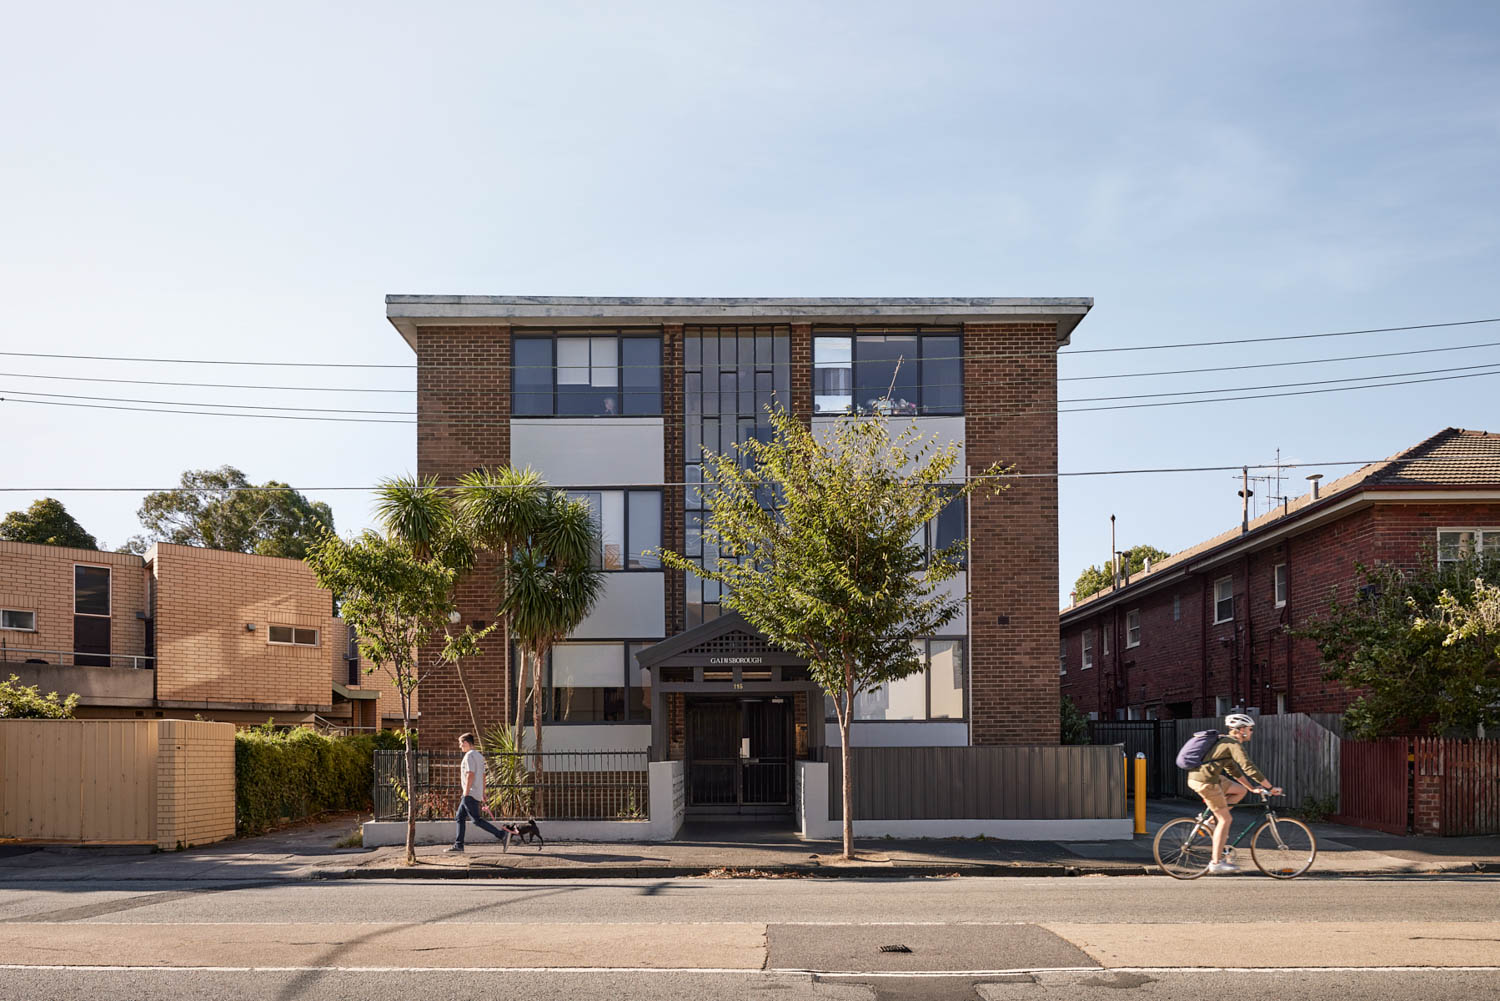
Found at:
(422, 514)
(553, 582)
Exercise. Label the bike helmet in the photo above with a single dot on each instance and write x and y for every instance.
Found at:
(1235, 720)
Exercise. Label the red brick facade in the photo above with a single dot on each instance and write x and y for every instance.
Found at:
(1186, 662)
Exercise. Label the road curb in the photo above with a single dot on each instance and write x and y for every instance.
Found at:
(732, 872)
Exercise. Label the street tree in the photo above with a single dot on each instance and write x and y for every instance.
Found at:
(221, 509)
(831, 570)
(48, 523)
(1096, 578)
(1421, 646)
(400, 608)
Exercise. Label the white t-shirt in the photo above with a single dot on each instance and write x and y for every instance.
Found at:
(473, 762)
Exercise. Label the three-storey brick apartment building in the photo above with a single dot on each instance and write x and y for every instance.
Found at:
(615, 399)
(1208, 628)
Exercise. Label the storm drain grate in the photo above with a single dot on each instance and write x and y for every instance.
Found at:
(895, 948)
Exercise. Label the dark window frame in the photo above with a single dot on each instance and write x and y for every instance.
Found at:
(620, 335)
(920, 334)
(927, 717)
(549, 707)
(661, 515)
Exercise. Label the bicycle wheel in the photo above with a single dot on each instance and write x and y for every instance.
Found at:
(1183, 848)
(1283, 848)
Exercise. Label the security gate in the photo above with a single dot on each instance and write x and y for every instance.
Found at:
(1157, 739)
(739, 755)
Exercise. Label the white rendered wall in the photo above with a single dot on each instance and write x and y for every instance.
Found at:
(935, 733)
(947, 429)
(596, 737)
(590, 452)
(633, 606)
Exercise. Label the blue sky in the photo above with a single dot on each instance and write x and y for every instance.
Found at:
(250, 182)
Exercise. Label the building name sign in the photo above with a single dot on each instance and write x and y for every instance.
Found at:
(728, 661)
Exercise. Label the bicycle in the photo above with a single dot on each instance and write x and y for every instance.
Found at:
(1281, 847)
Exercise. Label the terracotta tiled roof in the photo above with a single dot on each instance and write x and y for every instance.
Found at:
(1453, 457)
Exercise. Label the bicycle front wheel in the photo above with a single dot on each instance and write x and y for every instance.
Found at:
(1283, 848)
(1183, 848)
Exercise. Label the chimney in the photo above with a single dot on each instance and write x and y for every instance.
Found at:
(1314, 478)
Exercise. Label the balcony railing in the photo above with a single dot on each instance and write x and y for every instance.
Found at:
(575, 785)
(70, 658)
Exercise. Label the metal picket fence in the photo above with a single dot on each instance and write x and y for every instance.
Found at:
(575, 785)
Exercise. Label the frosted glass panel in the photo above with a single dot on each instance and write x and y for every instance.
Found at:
(587, 665)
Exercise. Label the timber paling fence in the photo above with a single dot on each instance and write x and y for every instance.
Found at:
(1042, 782)
(1428, 785)
(575, 785)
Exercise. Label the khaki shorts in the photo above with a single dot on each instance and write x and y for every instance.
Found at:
(1212, 793)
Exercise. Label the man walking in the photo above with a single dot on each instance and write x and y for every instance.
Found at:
(471, 777)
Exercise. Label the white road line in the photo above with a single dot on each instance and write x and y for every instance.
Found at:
(741, 971)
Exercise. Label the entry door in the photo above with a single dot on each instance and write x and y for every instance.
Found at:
(739, 755)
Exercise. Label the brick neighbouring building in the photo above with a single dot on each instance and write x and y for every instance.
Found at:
(182, 631)
(1206, 629)
(612, 397)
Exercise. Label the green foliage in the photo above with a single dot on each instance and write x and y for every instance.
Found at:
(1316, 809)
(46, 522)
(300, 773)
(1421, 647)
(221, 509)
(1097, 578)
(19, 701)
(833, 574)
(508, 784)
(1075, 725)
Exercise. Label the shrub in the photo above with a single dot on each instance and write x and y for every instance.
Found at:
(299, 773)
(18, 701)
(1075, 725)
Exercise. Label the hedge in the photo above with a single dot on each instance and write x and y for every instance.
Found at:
(280, 776)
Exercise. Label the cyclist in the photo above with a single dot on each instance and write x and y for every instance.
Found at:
(1212, 782)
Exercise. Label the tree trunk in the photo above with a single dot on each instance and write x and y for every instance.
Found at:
(473, 719)
(538, 804)
(411, 782)
(848, 784)
(520, 698)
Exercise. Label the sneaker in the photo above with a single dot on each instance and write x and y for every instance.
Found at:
(1219, 868)
(454, 848)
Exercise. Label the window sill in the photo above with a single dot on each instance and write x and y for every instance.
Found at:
(1279, 604)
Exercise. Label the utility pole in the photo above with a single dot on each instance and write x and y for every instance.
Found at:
(1114, 561)
(1244, 499)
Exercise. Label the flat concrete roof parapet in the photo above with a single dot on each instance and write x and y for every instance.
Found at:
(408, 312)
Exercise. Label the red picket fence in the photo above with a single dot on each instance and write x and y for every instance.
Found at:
(1374, 790)
(1457, 786)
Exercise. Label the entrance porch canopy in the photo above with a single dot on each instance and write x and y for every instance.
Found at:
(725, 656)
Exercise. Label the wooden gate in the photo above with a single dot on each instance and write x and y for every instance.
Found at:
(1457, 786)
(1374, 788)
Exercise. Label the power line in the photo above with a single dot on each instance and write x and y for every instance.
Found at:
(1275, 364)
(195, 403)
(1284, 337)
(1152, 470)
(207, 385)
(364, 365)
(1268, 396)
(1280, 385)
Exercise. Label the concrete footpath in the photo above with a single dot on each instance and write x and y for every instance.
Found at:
(717, 850)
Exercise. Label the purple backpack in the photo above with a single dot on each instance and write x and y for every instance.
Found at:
(1196, 749)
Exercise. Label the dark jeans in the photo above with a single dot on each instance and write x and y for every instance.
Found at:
(468, 809)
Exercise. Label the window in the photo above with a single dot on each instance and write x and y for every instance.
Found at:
(596, 683)
(1458, 544)
(909, 371)
(1062, 657)
(629, 524)
(950, 526)
(292, 636)
(91, 590)
(1279, 575)
(1088, 649)
(936, 693)
(1176, 607)
(1132, 628)
(600, 374)
(1221, 705)
(91, 610)
(11, 618)
(1223, 599)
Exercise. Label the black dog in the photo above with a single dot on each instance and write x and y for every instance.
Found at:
(526, 833)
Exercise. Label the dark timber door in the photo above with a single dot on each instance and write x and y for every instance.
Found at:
(739, 755)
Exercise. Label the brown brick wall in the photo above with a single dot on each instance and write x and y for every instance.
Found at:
(463, 423)
(1252, 659)
(37, 578)
(1010, 402)
(205, 654)
(674, 499)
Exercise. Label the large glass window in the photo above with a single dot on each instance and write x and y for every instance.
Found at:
(935, 693)
(596, 683)
(899, 371)
(731, 375)
(592, 374)
(629, 524)
(90, 590)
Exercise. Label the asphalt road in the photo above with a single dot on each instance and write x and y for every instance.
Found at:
(789, 938)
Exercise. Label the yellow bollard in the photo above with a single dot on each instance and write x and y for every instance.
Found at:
(1140, 792)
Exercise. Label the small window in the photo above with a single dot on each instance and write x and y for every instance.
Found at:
(1104, 649)
(90, 590)
(14, 619)
(292, 636)
(1088, 649)
(1132, 628)
(1280, 584)
(1062, 657)
(1176, 607)
(1458, 544)
(1223, 600)
(1221, 705)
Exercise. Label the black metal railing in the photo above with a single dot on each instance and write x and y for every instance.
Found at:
(574, 785)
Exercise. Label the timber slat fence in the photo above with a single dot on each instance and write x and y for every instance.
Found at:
(1043, 782)
(1373, 787)
(576, 785)
(1464, 778)
(1298, 751)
